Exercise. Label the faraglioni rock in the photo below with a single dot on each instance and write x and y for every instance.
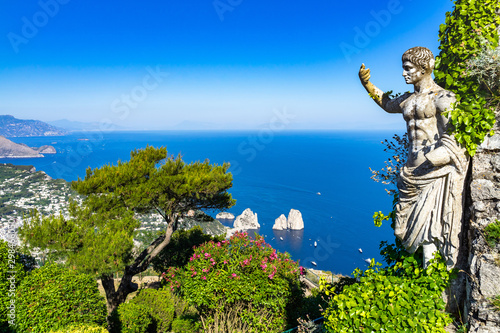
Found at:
(280, 223)
(247, 220)
(295, 221)
(224, 216)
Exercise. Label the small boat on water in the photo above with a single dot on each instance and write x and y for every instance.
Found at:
(368, 260)
(314, 263)
(360, 251)
(281, 238)
(315, 244)
(318, 193)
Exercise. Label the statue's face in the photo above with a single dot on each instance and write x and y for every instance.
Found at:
(412, 73)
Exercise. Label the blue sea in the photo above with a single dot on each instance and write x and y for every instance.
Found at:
(325, 175)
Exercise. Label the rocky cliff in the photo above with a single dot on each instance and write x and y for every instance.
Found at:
(483, 276)
(9, 149)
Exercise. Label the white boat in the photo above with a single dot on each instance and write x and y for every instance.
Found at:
(315, 244)
(281, 238)
(368, 260)
(314, 263)
(318, 193)
(360, 251)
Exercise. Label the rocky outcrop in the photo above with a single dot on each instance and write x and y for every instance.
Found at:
(483, 261)
(247, 220)
(224, 216)
(46, 150)
(294, 221)
(9, 149)
(280, 223)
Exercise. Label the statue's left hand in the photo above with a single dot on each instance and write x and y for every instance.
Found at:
(364, 75)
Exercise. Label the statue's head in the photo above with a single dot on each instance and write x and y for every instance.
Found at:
(417, 62)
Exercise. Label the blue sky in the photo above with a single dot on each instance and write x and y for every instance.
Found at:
(230, 64)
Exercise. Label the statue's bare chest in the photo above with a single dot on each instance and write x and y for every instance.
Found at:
(419, 107)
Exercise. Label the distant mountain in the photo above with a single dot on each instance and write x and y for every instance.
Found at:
(9, 149)
(70, 125)
(13, 127)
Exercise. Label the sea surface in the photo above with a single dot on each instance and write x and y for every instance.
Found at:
(325, 175)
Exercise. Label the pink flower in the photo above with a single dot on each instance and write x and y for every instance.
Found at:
(264, 266)
(207, 255)
(225, 261)
(218, 244)
(203, 277)
(302, 271)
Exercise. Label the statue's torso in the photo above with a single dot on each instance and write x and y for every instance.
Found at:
(425, 125)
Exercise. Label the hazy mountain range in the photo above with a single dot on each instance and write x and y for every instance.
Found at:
(13, 127)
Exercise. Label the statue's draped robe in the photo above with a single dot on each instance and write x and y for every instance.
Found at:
(430, 203)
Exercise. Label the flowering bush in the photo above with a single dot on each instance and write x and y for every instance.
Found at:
(239, 271)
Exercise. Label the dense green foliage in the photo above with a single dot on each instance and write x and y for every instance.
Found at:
(183, 326)
(492, 233)
(467, 30)
(134, 318)
(13, 268)
(153, 311)
(181, 248)
(81, 328)
(401, 298)
(239, 275)
(53, 297)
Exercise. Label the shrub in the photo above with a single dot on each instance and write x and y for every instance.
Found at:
(54, 297)
(134, 318)
(13, 268)
(83, 328)
(183, 326)
(150, 311)
(159, 305)
(401, 298)
(239, 272)
(492, 233)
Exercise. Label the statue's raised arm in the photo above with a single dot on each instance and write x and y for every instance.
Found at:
(391, 105)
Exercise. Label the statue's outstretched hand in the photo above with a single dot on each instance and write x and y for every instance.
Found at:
(364, 75)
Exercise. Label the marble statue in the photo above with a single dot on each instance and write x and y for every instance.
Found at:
(431, 183)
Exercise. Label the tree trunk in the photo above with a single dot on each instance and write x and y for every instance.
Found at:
(115, 297)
